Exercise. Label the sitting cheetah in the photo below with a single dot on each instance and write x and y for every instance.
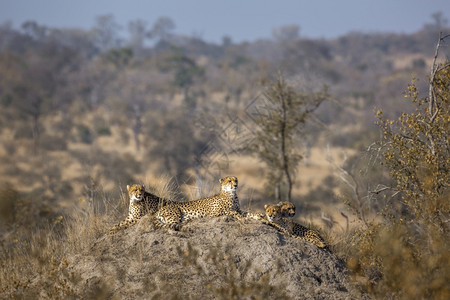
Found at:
(141, 203)
(275, 218)
(225, 203)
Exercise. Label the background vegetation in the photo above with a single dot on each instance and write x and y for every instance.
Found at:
(83, 113)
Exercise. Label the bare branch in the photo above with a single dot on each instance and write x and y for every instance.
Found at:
(445, 36)
(445, 66)
(406, 137)
(346, 218)
(379, 190)
(434, 71)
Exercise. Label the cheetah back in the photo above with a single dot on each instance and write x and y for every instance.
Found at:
(300, 231)
(174, 214)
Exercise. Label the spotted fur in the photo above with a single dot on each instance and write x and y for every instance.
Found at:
(287, 209)
(275, 218)
(141, 203)
(224, 203)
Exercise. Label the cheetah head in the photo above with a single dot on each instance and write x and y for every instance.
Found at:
(287, 209)
(273, 212)
(229, 184)
(136, 192)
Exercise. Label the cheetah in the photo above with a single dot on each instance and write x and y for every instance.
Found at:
(141, 203)
(224, 203)
(287, 209)
(275, 218)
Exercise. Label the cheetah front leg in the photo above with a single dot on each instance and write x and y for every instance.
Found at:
(277, 226)
(254, 216)
(239, 215)
(129, 221)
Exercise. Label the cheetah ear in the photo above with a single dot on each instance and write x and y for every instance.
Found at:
(265, 206)
(221, 180)
(128, 187)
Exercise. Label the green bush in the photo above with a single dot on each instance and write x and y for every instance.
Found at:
(85, 134)
(103, 131)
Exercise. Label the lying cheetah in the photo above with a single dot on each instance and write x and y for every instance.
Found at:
(141, 203)
(225, 203)
(287, 209)
(275, 218)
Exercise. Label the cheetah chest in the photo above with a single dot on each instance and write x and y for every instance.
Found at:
(136, 210)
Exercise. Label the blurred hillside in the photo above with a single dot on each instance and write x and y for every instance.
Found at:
(83, 113)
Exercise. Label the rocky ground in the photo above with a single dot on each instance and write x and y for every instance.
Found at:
(217, 258)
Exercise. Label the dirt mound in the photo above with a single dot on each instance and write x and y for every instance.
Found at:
(209, 259)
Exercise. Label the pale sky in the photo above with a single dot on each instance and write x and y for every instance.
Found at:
(239, 19)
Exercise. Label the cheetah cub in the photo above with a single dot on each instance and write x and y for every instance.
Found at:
(224, 203)
(275, 218)
(287, 211)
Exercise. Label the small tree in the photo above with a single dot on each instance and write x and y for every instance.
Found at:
(138, 33)
(417, 149)
(106, 33)
(413, 231)
(162, 29)
(134, 91)
(280, 120)
(186, 71)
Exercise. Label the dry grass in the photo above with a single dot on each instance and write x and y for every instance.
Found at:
(227, 280)
(34, 258)
(385, 263)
